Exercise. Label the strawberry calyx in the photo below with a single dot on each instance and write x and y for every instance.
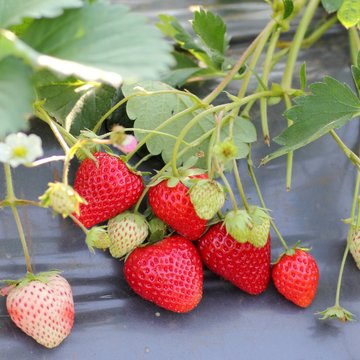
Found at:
(29, 277)
(336, 312)
(157, 230)
(97, 238)
(238, 224)
(291, 251)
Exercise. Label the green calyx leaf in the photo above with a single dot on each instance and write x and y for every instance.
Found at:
(238, 224)
(157, 229)
(207, 197)
(330, 105)
(336, 312)
(42, 276)
(13, 12)
(98, 238)
(288, 8)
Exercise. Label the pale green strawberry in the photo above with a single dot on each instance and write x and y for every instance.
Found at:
(239, 224)
(261, 227)
(97, 237)
(126, 232)
(355, 247)
(208, 198)
(62, 198)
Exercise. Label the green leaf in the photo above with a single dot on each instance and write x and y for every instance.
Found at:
(151, 111)
(288, 8)
(349, 13)
(303, 76)
(16, 95)
(12, 12)
(211, 30)
(331, 5)
(244, 130)
(178, 77)
(98, 42)
(330, 105)
(75, 104)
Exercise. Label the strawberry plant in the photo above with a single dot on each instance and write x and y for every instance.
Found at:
(74, 65)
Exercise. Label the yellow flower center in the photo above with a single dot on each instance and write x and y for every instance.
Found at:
(19, 151)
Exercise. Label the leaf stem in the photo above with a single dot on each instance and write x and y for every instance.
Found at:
(79, 223)
(354, 44)
(240, 186)
(290, 155)
(11, 199)
(350, 154)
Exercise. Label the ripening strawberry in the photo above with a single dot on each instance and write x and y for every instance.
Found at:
(108, 187)
(355, 247)
(42, 306)
(168, 273)
(173, 206)
(243, 264)
(296, 277)
(126, 232)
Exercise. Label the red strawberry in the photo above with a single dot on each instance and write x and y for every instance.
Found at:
(173, 206)
(243, 264)
(168, 273)
(108, 187)
(42, 306)
(296, 277)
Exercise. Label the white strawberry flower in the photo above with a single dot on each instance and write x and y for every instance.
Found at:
(20, 149)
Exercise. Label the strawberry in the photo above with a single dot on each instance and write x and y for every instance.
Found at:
(355, 247)
(108, 187)
(126, 231)
(42, 306)
(208, 198)
(62, 198)
(243, 264)
(173, 206)
(168, 273)
(296, 276)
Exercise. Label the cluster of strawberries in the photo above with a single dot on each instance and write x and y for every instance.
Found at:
(169, 272)
(165, 270)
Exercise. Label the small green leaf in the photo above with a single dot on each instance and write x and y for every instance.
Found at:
(303, 76)
(330, 105)
(331, 5)
(75, 104)
(12, 12)
(244, 130)
(172, 182)
(288, 8)
(98, 42)
(178, 77)
(16, 95)
(349, 13)
(211, 30)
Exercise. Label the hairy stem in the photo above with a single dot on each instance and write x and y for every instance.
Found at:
(11, 199)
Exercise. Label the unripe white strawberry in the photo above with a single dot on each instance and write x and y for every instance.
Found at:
(42, 306)
(208, 198)
(355, 247)
(126, 232)
(63, 199)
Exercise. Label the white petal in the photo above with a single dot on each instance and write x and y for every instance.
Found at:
(5, 153)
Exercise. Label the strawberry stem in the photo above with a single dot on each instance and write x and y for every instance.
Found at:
(11, 199)
(251, 48)
(290, 155)
(239, 185)
(258, 191)
(79, 223)
(141, 198)
(349, 238)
